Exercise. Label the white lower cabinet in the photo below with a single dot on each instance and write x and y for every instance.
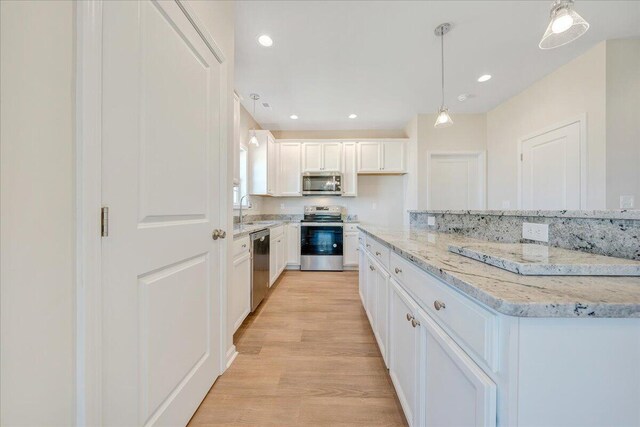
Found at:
(362, 274)
(370, 305)
(350, 249)
(277, 255)
(382, 310)
(293, 244)
(240, 289)
(454, 390)
(403, 350)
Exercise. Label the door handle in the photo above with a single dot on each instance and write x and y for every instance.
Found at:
(218, 234)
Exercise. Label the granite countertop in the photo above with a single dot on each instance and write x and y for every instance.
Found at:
(256, 226)
(631, 214)
(510, 293)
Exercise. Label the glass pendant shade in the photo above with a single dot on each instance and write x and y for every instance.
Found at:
(565, 26)
(444, 119)
(254, 140)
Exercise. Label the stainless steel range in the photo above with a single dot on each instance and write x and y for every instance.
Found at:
(321, 238)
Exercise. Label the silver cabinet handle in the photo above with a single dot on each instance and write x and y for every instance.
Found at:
(398, 270)
(409, 317)
(414, 323)
(439, 305)
(378, 253)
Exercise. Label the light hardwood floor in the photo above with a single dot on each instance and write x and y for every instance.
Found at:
(307, 357)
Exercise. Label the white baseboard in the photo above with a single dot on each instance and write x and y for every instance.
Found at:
(231, 355)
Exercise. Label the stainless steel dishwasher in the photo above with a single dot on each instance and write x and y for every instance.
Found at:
(259, 267)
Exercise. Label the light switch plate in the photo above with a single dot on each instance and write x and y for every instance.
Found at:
(626, 202)
(431, 220)
(537, 232)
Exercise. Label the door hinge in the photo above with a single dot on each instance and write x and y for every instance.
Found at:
(521, 157)
(104, 221)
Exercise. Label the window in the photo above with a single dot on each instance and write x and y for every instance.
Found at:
(241, 188)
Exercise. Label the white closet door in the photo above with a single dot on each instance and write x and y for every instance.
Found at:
(161, 136)
(551, 172)
(456, 181)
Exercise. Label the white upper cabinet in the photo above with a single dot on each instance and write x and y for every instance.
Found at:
(262, 165)
(332, 156)
(312, 157)
(349, 170)
(369, 157)
(381, 157)
(289, 169)
(392, 156)
(321, 156)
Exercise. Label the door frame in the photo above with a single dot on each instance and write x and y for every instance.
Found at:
(88, 199)
(582, 120)
(482, 158)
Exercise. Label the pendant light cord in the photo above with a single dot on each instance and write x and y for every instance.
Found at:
(442, 61)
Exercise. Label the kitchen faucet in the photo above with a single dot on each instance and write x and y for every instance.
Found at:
(241, 199)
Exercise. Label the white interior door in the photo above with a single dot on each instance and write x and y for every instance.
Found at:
(551, 169)
(456, 181)
(161, 179)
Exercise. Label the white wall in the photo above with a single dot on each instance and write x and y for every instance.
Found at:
(623, 121)
(576, 88)
(379, 202)
(37, 213)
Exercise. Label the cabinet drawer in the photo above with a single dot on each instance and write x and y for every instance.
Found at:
(240, 246)
(378, 251)
(276, 231)
(350, 227)
(472, 326)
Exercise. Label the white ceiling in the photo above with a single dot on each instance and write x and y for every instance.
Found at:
(381, 60)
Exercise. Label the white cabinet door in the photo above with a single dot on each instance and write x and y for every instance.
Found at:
(311, 157)
(293, 244)
(289, 169)
(403, 350)
(455, 391)
(382, 311)
(350, 249)
(349, 170)
(392, 156)
(272, 166)
(371, 292)
(332, 156)
(362, 275)
(273, 259)
(369, 157)
(240, 290)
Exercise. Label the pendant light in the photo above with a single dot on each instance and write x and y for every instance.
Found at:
(443, 120)
(254, 140)
(565, 25)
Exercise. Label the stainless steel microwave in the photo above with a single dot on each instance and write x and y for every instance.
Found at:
(322, 184)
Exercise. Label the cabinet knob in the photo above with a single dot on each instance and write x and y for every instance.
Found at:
(414, 323)
(368, 245)
(398, 270)
(409, 317)
(371, 268)
(378, 253)
(439, 305)
(244, 245)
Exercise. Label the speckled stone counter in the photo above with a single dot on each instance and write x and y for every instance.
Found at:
(245, 230)
(509, 293)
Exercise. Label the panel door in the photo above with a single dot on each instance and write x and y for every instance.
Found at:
(403, 350)
(293, 246)
(350, 249)
(456, 181)
(369, 157)
(362, 275)
(289, 169)
(393, 156)
(382, 311)
(371, 293)
(273, 259)
(240, 290)
(272, 166)
(161, 137)
(350, 170)
(332, 156)
(311, 157)
(551, 170)
(281, 254)
(455, 391)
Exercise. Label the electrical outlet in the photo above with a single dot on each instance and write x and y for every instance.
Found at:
(506, 204)
(281, 206)
(431, 220)
(626, 202)
(537, 232)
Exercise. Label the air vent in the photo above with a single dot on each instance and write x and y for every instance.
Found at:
(266, 105)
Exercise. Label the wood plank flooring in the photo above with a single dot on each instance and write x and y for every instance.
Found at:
(307, 357)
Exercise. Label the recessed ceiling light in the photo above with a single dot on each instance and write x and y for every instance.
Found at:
(293, 117)
(265, 40)
(484, 78)
(353, 116)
